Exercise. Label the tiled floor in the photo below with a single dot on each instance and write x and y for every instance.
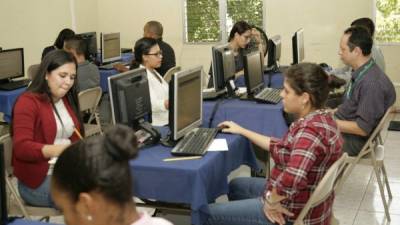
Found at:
(359, 202)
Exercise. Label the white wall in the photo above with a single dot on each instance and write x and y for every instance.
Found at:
(32, 25)
(35, 24)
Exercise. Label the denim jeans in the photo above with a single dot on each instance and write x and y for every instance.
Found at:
(37, 197)
(244, 206)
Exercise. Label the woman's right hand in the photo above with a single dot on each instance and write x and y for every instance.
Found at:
(230, 127)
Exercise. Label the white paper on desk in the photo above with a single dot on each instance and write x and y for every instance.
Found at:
(242, 90)
(219, 144)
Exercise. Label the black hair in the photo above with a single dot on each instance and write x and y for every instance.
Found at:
(50, 62)
(76, 43)
(239, 27)
(154, 27)
(65, 34)
(312, 79)
(142, 47)
(365, 22)
(98, 163)
(359, 37)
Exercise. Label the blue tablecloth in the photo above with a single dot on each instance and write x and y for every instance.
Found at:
(276, 80)
(194, 182)
(28, 222)
(266, 119)
(7, 100)
(104, 74)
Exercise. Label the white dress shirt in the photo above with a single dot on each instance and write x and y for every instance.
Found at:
(158, 95)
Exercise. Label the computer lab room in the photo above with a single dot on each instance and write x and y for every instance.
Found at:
(202, 112)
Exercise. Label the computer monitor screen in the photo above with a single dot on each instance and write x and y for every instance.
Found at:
(185, 102)
(274, 51)
(223, 66)
(11, 63)
(91, 44)
(298, 46)
(3, 194)
(253, 71)
(110, 47)
(130, 97)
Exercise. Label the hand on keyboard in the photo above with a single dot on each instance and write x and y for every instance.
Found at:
(230, 127)
(120, 67)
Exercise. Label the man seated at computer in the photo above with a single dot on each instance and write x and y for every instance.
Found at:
(154, 29)
(369, 94)
(376, 53)
(149, 55)
(87, 73)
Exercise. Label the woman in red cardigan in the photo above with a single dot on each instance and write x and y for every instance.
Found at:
(46, 119)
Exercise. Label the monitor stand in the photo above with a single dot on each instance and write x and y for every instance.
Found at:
(146, 130)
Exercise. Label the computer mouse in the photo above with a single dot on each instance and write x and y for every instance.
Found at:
(220, 128)
(324, 65)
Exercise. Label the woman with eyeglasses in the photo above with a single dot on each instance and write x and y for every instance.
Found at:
(148, 55)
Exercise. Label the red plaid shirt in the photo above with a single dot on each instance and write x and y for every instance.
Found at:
(302, 158)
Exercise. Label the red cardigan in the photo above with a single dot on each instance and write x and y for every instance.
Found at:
(34, 126)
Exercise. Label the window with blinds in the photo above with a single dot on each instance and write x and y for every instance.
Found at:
(203, 22)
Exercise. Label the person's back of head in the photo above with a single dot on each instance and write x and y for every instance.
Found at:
(64, 35)
(153, 29)
(99, 164)
(76, 45)
(365, 22)
(361, 38)
(312, 79)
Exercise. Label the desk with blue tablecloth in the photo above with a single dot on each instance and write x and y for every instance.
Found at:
(7, 101)
(104, 74)
(275, 80)
(28, 222)
(192, 182)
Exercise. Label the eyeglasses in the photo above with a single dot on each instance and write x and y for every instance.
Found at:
(159, 54)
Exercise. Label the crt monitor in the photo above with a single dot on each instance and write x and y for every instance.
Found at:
(91, 45)
(185, 102)
(253, 71)
(11, 64)
(298, 46)
(223, 66)
(274, 51)
(110, 47)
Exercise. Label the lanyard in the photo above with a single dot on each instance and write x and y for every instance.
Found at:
(359, 77)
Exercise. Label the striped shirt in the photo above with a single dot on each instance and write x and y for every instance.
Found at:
(372, 93)
(302, 158)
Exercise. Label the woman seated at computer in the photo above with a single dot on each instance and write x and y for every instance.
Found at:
(92, 182)
(64, 34)
(46, 119)
(311, 145)
(148, 55)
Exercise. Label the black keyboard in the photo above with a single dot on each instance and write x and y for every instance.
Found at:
(14, 85)
(196, 142)
(269, 95)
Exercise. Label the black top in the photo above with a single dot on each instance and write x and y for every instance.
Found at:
(47, 50)
(168, 60)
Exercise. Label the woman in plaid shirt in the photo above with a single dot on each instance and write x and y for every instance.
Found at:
(302, 157)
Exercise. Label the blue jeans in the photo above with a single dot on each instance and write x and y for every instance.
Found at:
(37, 197)
(244, 206)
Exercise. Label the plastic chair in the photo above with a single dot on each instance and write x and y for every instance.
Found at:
(88, 101)
(373, 154)
(27, 211)
(168, 74)
(324, 189)
(33, 70)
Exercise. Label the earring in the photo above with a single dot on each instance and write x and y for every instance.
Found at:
(89, 218)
